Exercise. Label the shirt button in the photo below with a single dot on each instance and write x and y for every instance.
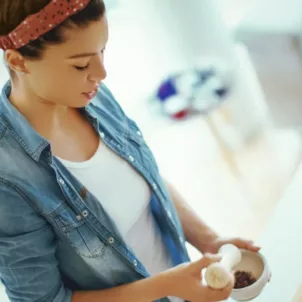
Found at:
(102, 134)
(79, 218)
(131, 158)
(111, 240)
(62, 181)
(169, 214)
(135, 263)
(85, 213)
(139, 133)
(154, 185)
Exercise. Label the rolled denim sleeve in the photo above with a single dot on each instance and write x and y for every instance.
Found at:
(28, 265)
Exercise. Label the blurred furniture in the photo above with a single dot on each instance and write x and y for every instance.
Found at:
(269, 16)
(254, 17)
(172, 35)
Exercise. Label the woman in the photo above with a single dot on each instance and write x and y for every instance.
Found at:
(85, 215)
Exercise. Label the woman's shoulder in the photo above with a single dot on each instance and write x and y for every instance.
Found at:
(16, 166)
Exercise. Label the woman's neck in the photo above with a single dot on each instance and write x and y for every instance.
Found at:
(44, 116)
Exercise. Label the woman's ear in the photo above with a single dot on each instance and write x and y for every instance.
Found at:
(15, 61)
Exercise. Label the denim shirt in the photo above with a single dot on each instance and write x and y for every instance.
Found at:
(55, 236)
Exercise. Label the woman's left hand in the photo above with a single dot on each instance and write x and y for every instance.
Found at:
(214, 246)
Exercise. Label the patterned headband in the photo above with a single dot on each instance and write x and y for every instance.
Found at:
(34, 26)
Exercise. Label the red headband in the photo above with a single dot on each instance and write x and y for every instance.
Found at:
(34, 26)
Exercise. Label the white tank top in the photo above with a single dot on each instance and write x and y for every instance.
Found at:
(125, 195)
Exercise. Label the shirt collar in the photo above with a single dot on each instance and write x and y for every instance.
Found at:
(33, 143)
(23, 132)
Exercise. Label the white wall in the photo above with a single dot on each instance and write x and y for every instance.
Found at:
(3, 71)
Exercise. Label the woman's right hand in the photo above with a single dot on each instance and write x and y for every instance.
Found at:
(185, 282)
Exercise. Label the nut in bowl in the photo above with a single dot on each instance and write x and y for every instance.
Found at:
(251, 274)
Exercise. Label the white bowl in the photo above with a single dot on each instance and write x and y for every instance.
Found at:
(256, 264)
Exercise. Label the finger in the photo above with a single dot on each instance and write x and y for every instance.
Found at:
(208, 259)
(221, 294)
(246, 244)
(204, 262)
(251, 246)
(254, 248)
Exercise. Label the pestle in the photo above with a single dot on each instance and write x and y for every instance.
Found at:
(217, 274)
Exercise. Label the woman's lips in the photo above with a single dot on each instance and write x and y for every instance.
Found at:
(90, 95)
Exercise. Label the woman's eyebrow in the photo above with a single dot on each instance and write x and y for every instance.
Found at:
(83, 55)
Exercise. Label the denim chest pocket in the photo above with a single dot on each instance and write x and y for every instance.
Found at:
(73, 228)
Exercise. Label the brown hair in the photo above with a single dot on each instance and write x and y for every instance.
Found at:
(13, 12)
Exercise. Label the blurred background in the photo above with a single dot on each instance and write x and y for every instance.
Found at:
(216, 88)
(233, 162)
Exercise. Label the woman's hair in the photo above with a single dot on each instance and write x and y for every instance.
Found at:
(13, 12)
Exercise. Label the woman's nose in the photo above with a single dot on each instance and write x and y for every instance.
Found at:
(98, 72)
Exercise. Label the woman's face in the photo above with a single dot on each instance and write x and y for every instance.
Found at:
(69, 74)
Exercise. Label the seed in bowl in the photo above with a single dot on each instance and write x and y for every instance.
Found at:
(243, 279)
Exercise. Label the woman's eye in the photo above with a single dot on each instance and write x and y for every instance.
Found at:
(81, 68)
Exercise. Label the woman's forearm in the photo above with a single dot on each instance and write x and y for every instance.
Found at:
(197, 232)
(146, 290)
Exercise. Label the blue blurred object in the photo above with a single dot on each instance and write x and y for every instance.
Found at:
(193, 91)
